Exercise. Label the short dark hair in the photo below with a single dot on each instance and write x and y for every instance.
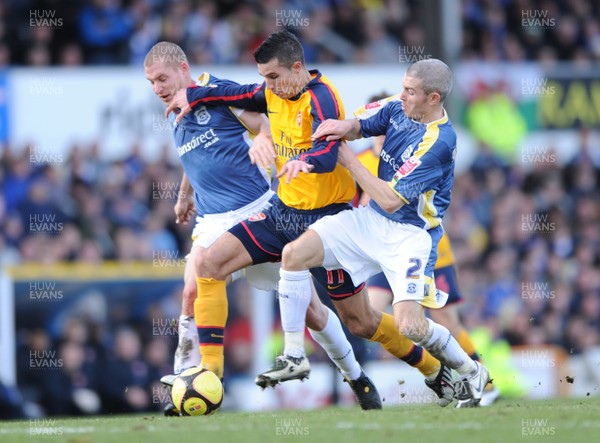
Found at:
(282, 45)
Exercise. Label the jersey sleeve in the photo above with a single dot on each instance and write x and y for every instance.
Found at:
(323, 154)
(248, 97)
(377, 123)
(417, 175)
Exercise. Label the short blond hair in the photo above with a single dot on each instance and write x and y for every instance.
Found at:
(435, 74)
(166, 53)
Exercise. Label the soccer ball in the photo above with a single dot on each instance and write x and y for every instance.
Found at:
(197, 391)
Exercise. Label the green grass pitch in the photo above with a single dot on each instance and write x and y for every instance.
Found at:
(557, 420)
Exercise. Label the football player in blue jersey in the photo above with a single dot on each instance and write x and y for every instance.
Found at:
(211, 142)
(380, 292)
(399, 231)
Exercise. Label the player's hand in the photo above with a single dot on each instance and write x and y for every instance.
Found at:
(262, 151)
(332, 129)
(184, 210)
(292, 168)
(345, 155)
(179, 102)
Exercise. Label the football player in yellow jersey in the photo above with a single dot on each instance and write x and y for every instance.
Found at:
(312, 186)
(380, 293)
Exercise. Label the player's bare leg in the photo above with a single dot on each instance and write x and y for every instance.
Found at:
(187, 353)
(380, 299)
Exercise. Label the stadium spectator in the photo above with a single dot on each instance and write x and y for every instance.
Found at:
(119, 32)
(125, 380)
(105, 28)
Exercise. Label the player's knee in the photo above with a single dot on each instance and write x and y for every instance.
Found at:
(200, 262)
(291, 257)
(205, 265)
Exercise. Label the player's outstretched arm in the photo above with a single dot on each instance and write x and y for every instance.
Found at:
(378, 189)
(248, 97)
(338, 129)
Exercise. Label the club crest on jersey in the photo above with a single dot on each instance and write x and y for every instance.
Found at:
(373, 105)
(299, 118)
(408, 166)
(411, 288)
(258, 217)
(202, 116)
(407, 153)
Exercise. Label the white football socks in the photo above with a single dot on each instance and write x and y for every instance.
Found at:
(294, 297)
(187, 354)
(440, 343)
(333, 340)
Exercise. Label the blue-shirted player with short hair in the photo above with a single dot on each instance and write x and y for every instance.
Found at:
(212, 142)
(380, 292)
(399, 231)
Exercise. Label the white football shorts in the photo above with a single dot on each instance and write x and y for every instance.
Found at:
(210, 227)
(363, 242)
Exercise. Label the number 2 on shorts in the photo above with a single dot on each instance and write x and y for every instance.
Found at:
(411, 272)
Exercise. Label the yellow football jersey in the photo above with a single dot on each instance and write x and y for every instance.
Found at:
(292, 124)
(293, 121)
(445, 254)
(369, 160)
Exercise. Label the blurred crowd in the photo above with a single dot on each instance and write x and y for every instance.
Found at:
(109, 32)
(85, 210)
(540, 30)
(528, 246)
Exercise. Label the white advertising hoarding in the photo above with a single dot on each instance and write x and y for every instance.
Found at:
(52, 109)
